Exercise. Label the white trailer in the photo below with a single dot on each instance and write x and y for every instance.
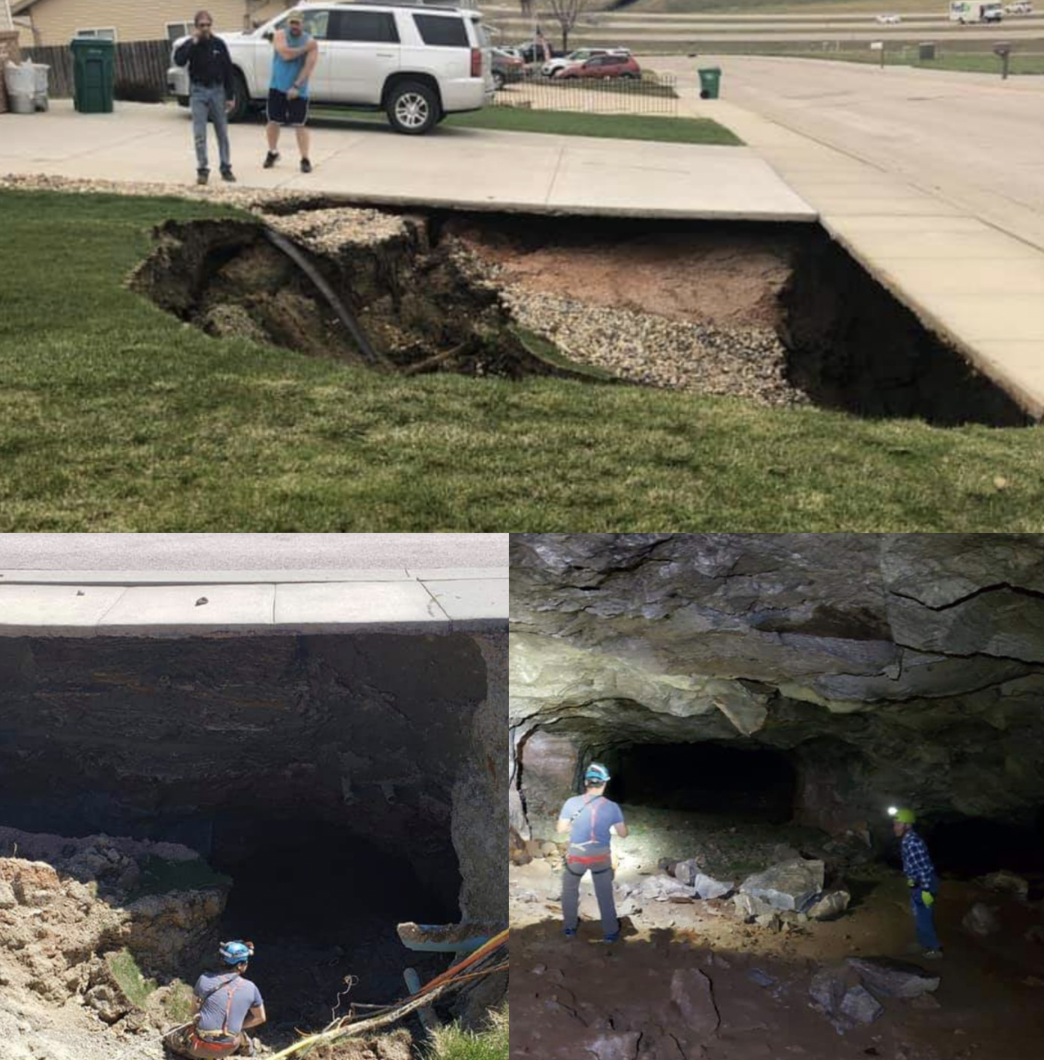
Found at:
(965, 11)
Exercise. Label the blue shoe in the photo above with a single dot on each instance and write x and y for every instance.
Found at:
(570, 933)
(614, 937)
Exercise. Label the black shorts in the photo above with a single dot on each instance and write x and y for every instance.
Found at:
(284, 111)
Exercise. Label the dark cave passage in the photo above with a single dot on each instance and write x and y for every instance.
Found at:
(320, 904)
(974, 846)
(709, 778)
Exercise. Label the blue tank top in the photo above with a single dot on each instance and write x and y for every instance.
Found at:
(286, 71)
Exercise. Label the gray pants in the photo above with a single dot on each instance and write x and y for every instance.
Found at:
(603, 888)
(208, 101)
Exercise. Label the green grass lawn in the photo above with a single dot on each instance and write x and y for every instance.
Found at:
(117, 417)
(452, 1043)
(567, 123)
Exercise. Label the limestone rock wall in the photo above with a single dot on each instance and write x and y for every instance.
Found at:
(916, 661)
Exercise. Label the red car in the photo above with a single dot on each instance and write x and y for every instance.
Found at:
(605, 66)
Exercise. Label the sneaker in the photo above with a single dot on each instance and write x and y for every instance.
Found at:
(202, 176)
(610, 939)
(228, 176)
(933, 955)
(270, 159)
(570, 933)
(306, 166)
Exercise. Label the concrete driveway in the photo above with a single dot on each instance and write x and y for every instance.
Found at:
(470, 168)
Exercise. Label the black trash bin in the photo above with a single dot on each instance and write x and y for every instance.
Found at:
(94, 68)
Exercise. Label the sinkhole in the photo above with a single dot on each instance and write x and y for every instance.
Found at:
(330, 787)
(777, 314)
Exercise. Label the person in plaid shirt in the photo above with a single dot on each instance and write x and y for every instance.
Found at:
(921, 878)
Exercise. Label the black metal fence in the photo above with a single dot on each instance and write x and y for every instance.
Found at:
(651, 94)
(140, 68)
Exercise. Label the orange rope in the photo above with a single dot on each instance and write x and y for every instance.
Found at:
(494, 943)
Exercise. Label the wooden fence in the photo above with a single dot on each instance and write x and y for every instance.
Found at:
(141, 68)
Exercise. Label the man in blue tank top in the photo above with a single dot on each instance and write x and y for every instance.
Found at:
(295, 54)
(591, 821)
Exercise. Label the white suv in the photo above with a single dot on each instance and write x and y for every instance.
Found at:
(416, 61)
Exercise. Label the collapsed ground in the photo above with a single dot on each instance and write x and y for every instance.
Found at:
(117, 416)
(760, 701)
(307, 793)
(778, 314)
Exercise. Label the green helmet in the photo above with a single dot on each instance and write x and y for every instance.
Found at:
(905, 816)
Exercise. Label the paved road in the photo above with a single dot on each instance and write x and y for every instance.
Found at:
(971, 139)
(172, 552)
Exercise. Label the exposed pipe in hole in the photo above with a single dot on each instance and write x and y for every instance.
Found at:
(366, 348)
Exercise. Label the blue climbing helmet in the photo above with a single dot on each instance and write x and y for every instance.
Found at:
(237, 952)
(597, 772)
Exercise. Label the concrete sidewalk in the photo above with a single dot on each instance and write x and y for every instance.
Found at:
(477, 169)
(196, 603)
(967, 279)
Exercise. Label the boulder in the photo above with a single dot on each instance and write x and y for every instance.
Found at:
(690, 873)
(664, 888)
(549, 849)
(790, 885)
(831, 905)
(7, 896)
(748, 906)
(893, 978)
(708, 887)
(1006, 881)
(769, 921)
(827, 990)
(860, 1005)
(533, 848)
(981, 920)
(693, 995)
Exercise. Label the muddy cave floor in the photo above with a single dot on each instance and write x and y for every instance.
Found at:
(568, 996)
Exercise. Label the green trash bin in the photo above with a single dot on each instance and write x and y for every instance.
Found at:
(94, 64)
(710, 82)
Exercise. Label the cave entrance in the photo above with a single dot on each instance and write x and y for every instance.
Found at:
(321, 904)
(756, 784)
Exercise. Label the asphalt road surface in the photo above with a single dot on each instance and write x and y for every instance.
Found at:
(970, 138)
(145, 552)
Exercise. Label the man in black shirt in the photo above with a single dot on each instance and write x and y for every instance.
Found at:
(211, 94)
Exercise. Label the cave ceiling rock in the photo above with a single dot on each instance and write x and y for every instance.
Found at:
(549, 674)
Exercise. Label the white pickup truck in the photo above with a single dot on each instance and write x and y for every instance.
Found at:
(417, 62)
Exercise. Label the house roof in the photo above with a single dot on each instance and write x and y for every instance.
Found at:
(18, 6)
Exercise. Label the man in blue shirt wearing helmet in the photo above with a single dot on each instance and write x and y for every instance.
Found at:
(591, 820)
(921, 879)
(227, 1006)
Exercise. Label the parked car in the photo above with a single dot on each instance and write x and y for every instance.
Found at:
(415, 63)
(581, 55)
(532, 52)
(1021, 8)
(604, 67)
(506, 68)
(889, 20)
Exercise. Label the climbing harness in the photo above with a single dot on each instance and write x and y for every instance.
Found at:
(594, 862)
